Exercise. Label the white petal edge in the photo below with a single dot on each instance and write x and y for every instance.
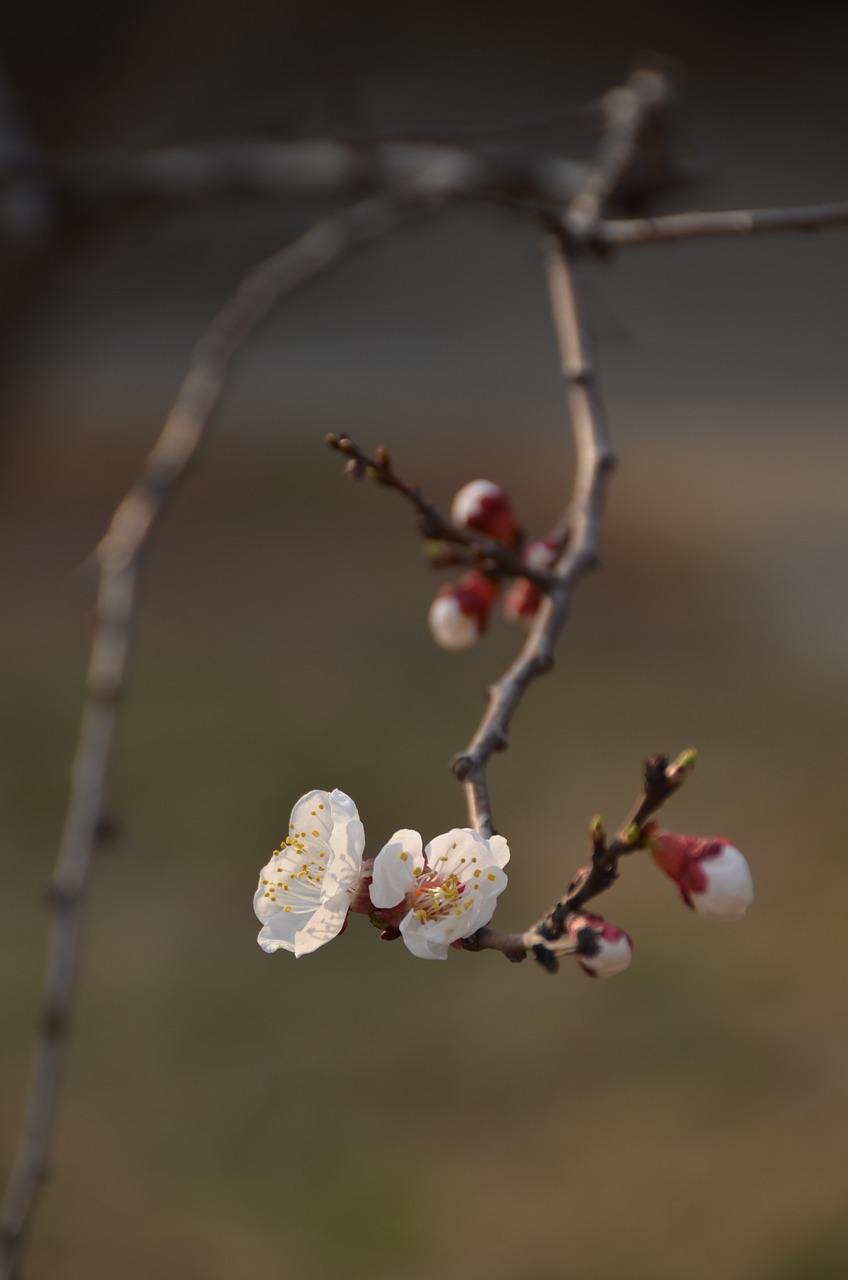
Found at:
(394, 868)
(347, 844)
(342, 807)
(323, 925)
(420, 942)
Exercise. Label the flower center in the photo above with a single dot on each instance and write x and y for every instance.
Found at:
(434, 896)
(295, 861)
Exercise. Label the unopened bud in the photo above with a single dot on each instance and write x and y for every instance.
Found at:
(680, 768)
(712, 876)
(460, 612)
(483, 506)
(610, 950)
(521, 602)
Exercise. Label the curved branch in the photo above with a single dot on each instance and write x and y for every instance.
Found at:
(118, 557)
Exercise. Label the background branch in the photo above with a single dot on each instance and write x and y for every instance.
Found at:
(623, 233)
(311, 166)
(117, 558)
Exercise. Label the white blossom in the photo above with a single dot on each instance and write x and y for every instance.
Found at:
(305, 891)
(449, 889)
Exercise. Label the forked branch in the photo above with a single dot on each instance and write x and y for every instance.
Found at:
(544, 938)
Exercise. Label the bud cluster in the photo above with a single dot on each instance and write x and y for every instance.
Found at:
(460, 612)
(712, 878)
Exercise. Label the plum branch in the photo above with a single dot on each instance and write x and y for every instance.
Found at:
(575, 203)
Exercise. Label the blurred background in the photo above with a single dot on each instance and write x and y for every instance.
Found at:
(359, 1112)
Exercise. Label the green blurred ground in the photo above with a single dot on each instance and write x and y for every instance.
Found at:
(361, 1112)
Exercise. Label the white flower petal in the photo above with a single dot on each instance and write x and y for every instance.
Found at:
(347, 843)
(730, 886)
(458, 851)
(420, 942)
(312, 817)
(500, 851)
(323, 925)
(342, 806)
(394, 868)
(279, 933)
(270, 944)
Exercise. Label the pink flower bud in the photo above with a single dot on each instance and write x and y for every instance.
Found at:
(521, 602)
(613, 948)
(460, 612)
(482, 505)
(711, 875)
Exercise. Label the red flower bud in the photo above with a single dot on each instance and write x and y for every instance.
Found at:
(609, 950)
(483, 506)
(522, 600)
(711, 875)
(460, 612)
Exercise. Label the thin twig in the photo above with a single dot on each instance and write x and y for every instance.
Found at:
(628, 109)
(485, 553)
(620, 233)
(662, 780)
(118, 557)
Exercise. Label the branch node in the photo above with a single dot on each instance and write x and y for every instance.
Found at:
(61, 897)
(462, 766)
(54, 1022)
